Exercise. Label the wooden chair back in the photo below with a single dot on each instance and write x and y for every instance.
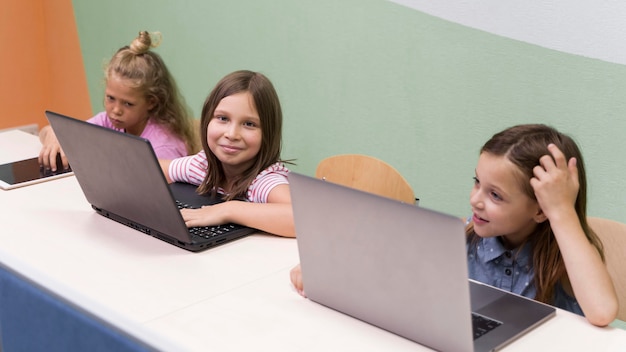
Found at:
(367, 174)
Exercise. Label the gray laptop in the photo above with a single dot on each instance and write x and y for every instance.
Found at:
(122, 180)
(402, 268)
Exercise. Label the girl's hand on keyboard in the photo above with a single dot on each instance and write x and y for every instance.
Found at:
(211, 215)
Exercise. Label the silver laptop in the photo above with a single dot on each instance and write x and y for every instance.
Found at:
(402, 268)
(122, 180)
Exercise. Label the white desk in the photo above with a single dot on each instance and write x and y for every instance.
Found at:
(18, 145)
(234, 297)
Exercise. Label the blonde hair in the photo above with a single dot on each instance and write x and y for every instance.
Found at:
(146, 72)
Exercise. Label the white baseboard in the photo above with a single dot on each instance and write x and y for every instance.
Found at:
(32, 129)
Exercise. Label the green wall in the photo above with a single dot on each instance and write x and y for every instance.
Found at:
(373, 77)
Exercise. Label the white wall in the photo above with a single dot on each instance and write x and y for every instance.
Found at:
(590, 28)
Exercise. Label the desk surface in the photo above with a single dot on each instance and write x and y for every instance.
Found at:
(231, 298)
(18, 145)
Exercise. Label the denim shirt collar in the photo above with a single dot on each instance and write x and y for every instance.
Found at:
(492, 248)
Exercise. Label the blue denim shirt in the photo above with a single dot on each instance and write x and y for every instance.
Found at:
(490, 263)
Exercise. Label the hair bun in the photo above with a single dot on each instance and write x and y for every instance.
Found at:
(144, 42)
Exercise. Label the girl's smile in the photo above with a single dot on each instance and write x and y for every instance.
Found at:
(229, 149)
(478, 220)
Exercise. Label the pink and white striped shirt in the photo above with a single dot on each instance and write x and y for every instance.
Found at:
(192, 169)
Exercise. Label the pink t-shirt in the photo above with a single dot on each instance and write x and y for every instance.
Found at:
(166, 145)
(192, 169)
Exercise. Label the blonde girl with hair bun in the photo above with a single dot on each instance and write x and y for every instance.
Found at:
(141, 98)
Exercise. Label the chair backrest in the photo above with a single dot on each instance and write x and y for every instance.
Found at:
(197, 133)
(367, 174)
(613, 236)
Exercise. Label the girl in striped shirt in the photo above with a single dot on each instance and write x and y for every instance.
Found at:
(241, 129)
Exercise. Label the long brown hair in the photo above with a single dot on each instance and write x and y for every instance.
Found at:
(267, 105)
(148, 73)
(524, 145)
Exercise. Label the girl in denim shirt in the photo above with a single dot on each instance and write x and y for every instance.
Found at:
(528, 232)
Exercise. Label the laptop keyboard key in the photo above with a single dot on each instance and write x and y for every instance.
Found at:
(482, 325)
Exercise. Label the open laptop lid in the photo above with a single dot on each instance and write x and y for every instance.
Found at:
(119, 173)
(399, 267)
(393, 265)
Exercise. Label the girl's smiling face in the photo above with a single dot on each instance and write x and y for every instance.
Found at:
(234, 133)
(499, 205)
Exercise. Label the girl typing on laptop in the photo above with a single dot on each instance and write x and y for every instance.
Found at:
(141, 98)
(241, 129)
(528, 233)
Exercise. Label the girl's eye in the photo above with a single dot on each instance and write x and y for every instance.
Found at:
(476, 180)
(221, 118)
(109, 98)
(129, 104)
(249, 124)
(495, 196)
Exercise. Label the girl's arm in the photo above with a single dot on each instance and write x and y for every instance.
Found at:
(165, 166)
(275, 216)
(50, 147)
(591, 283)
(556, 187)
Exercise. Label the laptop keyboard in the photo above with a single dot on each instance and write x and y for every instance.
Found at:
(208, 232)
(482, 325)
